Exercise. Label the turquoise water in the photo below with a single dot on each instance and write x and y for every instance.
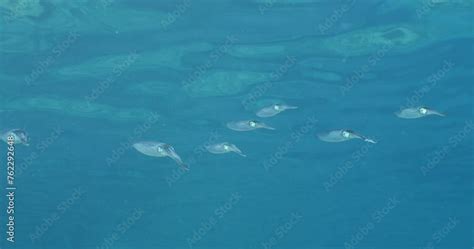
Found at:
(86, 79)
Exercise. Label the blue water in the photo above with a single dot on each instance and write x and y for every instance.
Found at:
(86, 79)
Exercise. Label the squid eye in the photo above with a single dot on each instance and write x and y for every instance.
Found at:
(160, 149)
(423, 110)
(226, 147)
(346, 134)
(276, 107)
(252, 123)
